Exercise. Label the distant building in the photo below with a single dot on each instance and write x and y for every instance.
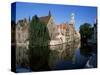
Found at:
(62, 28)
(13, 32)
(95, 31)
(68, 30)
(22, 32)
(93, 38)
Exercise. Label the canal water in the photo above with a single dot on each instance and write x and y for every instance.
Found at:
(60, 57)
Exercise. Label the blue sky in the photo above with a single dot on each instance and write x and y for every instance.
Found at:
(60, 13)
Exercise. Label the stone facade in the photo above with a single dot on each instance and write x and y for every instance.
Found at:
(51, 26)
(22, 29)
(66, 30)
(62, 28)
(22, 32)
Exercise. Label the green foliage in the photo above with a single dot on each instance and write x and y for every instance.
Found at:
(38, 32)
(86, 31)
(38, 57)
(38, 37)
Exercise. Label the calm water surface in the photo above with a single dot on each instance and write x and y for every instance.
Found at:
(59, 57)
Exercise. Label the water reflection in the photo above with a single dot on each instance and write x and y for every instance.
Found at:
(60, 54)
(59, 57)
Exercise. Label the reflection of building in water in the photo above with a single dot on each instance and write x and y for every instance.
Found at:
(62, 52)
(59, 52)
(34, 59)
(56, 54)
(22, 56)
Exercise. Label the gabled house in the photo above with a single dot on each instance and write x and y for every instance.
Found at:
(22, 32)
(22, 29)
(62, 28)
(68, 30)
(51, 26)
(65, 30)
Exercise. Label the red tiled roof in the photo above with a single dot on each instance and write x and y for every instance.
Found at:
(63, 26)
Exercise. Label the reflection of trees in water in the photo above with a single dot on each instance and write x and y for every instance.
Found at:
(42, 58)
(21, 56)
(62, 52)
(38, 58)
(86, 49)
(90, 51)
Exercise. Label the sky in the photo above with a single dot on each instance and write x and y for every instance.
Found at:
(60, 13)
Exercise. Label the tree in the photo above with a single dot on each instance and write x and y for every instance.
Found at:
(85, 31)
(38, 37)
(38, 32)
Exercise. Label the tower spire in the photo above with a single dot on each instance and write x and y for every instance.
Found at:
(72, 21)
(49, 13)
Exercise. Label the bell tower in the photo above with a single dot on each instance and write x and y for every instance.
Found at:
(72, 20)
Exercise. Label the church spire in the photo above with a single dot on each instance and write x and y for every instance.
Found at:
(49, 13)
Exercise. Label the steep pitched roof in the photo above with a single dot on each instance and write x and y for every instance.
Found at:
(45, 19)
